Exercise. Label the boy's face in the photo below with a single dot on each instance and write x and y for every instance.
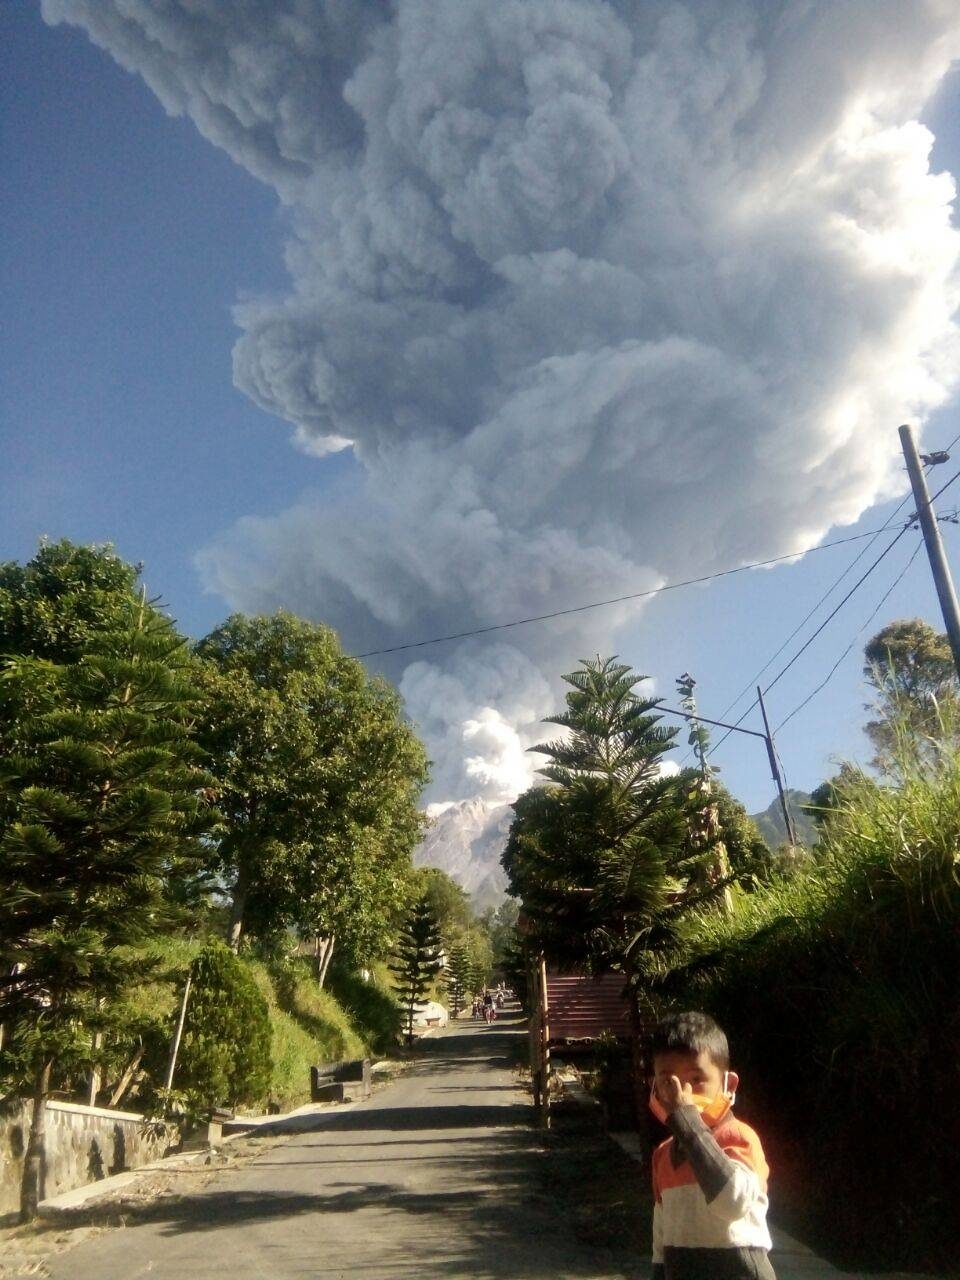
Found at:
(696, 1071)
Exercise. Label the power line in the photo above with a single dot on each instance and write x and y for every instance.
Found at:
(636, 595)
(751, 683)
(859, 632)
(837, 609)
(809, 641)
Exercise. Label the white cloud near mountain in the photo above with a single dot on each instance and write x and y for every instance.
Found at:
(601, 294)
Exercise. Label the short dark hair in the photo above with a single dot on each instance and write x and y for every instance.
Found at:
(691, 1032)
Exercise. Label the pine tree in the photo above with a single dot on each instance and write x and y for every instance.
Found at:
(417, 959)
(458, 977)
(101, 810)
(596, 856)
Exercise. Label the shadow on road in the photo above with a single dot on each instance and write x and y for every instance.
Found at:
(442, 1191)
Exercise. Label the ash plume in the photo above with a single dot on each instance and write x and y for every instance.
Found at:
(599, 294)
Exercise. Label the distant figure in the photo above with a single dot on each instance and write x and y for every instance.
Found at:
(710, 1176)
(489, 1013)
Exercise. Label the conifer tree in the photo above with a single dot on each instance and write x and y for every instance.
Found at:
(417, 959)
(457, 977)
(596, 856)
(101, 809)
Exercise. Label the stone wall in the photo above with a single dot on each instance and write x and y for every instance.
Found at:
(83, 1144)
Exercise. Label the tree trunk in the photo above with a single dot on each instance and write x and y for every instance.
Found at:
(31, 1186)
(327, 957)
(237, 908)
(123, 1084)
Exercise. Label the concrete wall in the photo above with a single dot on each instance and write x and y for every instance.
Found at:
(83, 1144)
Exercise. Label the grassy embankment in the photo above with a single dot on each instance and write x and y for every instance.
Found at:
(839, 989)
(349, 1019)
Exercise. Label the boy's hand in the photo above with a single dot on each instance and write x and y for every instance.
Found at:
(672, 1093)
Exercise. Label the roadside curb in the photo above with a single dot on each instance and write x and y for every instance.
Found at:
(297, 1121)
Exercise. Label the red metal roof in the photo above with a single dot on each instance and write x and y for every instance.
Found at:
(583, 1007)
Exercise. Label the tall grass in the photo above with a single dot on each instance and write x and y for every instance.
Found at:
(838, 985)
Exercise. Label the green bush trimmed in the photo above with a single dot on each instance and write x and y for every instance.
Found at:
(225, 1052)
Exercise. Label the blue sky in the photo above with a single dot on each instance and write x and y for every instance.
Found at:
(126, 239)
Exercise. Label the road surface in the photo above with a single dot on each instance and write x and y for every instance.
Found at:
(440, 1175)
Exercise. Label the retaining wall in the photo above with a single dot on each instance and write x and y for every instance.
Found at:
(83, 1144)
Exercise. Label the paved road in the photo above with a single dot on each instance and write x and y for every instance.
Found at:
(437, 1176)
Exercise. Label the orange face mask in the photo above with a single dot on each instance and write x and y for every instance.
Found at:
(712, 1110)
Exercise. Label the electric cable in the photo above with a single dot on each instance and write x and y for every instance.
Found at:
(836, 610)
(810, 639)
(859, 632)
(636, 595)
(752, 682)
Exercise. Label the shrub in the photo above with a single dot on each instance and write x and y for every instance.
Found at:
(225, 1054)
(837, 987)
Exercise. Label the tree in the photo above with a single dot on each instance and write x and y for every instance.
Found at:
(826, 799)
(67, 594)
(65, 602)
(704, 832)
(102, 809)
(457, 976)
(448, 901)
(319, 777)
(596, 857)
(225, 1054)
(417, 959)
(501, 927)
(910, 668)
(748, 854)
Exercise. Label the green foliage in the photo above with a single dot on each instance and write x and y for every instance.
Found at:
(101, 814)
(457, 978)
(448, 902)
(501, 927)
(750, 858)
(225, 1053)
(910, 668)
(370, 1003)
(319, 777)
(416, 960)
(823, 800)
(55, 604)
(598, 856)
(837, 986)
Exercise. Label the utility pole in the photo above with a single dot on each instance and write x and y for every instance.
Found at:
(775, 771)
(931, 536)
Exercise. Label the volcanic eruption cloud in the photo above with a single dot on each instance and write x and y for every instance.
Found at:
(599, 294)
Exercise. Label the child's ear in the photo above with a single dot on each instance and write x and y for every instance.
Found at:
(733, 1082)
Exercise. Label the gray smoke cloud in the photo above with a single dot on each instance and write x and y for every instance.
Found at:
(599, 294)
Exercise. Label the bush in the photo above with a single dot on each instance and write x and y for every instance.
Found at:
(837, 987)
(225, 1053)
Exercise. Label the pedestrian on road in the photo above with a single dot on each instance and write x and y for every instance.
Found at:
(710, 1175)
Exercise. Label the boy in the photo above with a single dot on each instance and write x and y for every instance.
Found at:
(710, 1177)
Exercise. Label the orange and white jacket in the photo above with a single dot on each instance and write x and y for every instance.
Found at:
(710, 1201)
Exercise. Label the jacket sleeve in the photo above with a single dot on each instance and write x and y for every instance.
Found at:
(728, 1176)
